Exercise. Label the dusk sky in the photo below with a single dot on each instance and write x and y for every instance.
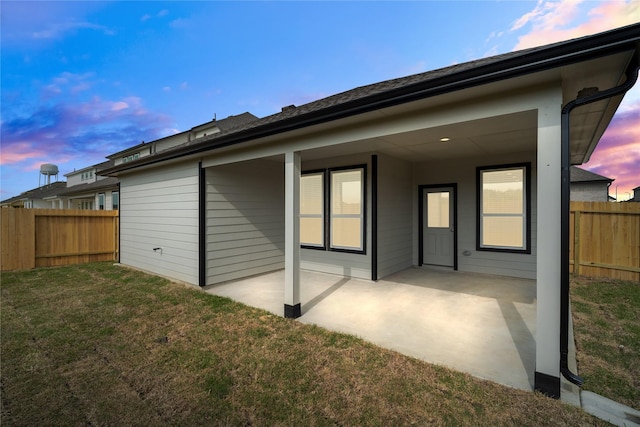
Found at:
(82, 80)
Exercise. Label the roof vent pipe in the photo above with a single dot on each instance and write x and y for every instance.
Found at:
(585, 96)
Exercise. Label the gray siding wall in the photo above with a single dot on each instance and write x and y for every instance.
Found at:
(463, 172)
(341, 263)
(395, 204)
(589, 192)
(159, 209)
(245, 219)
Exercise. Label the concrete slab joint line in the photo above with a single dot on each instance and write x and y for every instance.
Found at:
(610, 411)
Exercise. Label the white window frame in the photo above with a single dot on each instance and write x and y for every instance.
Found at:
(115, 195)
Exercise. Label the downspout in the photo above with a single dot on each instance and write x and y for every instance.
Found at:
(593, 95)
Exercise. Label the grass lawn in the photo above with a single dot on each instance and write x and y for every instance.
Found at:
(99, 344)
(606, 318)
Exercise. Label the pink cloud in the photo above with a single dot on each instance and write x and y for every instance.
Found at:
(86, 132)
(20, 152)
(617, 156)
(117, 106)
(553, 21)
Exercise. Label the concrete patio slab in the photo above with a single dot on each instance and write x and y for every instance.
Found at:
(480, 324)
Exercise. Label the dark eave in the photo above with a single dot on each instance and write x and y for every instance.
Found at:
(408, 89)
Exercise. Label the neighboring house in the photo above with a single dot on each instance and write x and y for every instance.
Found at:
(35, 198)
(162, 144)
(636, 195)
(588, 186)
(465, 167)
(87, 189)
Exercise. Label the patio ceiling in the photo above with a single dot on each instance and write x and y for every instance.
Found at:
(515, 132)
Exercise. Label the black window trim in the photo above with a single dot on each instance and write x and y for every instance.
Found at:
(325, 201)
(527, 188)
(327, 209)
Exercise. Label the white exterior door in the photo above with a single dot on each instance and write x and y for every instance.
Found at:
(438, 231)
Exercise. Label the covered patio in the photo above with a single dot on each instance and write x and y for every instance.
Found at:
(484, 325)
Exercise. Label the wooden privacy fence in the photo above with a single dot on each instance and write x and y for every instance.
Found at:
(605, 239)
(48, 237)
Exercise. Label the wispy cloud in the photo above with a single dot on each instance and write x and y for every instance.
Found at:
(62, 132)
(72, 83)
(551, 21)
(56, 31)
(146, 16)
(180, 23)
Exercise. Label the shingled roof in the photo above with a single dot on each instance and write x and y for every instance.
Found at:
(90, 187)
(581, 175)
(39, 193)
(236, 121)
(400, 90)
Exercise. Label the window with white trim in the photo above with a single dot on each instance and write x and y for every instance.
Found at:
(101, 201)
(115, 200)
(503, 208)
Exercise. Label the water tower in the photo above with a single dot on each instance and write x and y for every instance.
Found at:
(48, 170)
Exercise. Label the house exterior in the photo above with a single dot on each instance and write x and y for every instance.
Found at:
(35, 198)
(636, 195)
(465, 168)
(209, 128)
(88, 190)
(588, 186)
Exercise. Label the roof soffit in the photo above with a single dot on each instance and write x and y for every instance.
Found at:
(588, 122)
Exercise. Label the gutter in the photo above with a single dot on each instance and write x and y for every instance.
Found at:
(530, 62)
(596, 95)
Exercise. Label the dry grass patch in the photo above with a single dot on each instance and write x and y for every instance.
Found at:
(606, 316)
(104, 345)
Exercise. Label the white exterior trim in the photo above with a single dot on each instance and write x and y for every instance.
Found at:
(549, 236)
(292, 229)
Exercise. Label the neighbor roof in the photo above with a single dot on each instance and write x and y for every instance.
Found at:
(98, 166)
(406, 89)
(90, 187)
(581, 175)
(38, 193)
(233, 122)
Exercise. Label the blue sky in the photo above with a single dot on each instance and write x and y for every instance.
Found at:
(81, 80)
